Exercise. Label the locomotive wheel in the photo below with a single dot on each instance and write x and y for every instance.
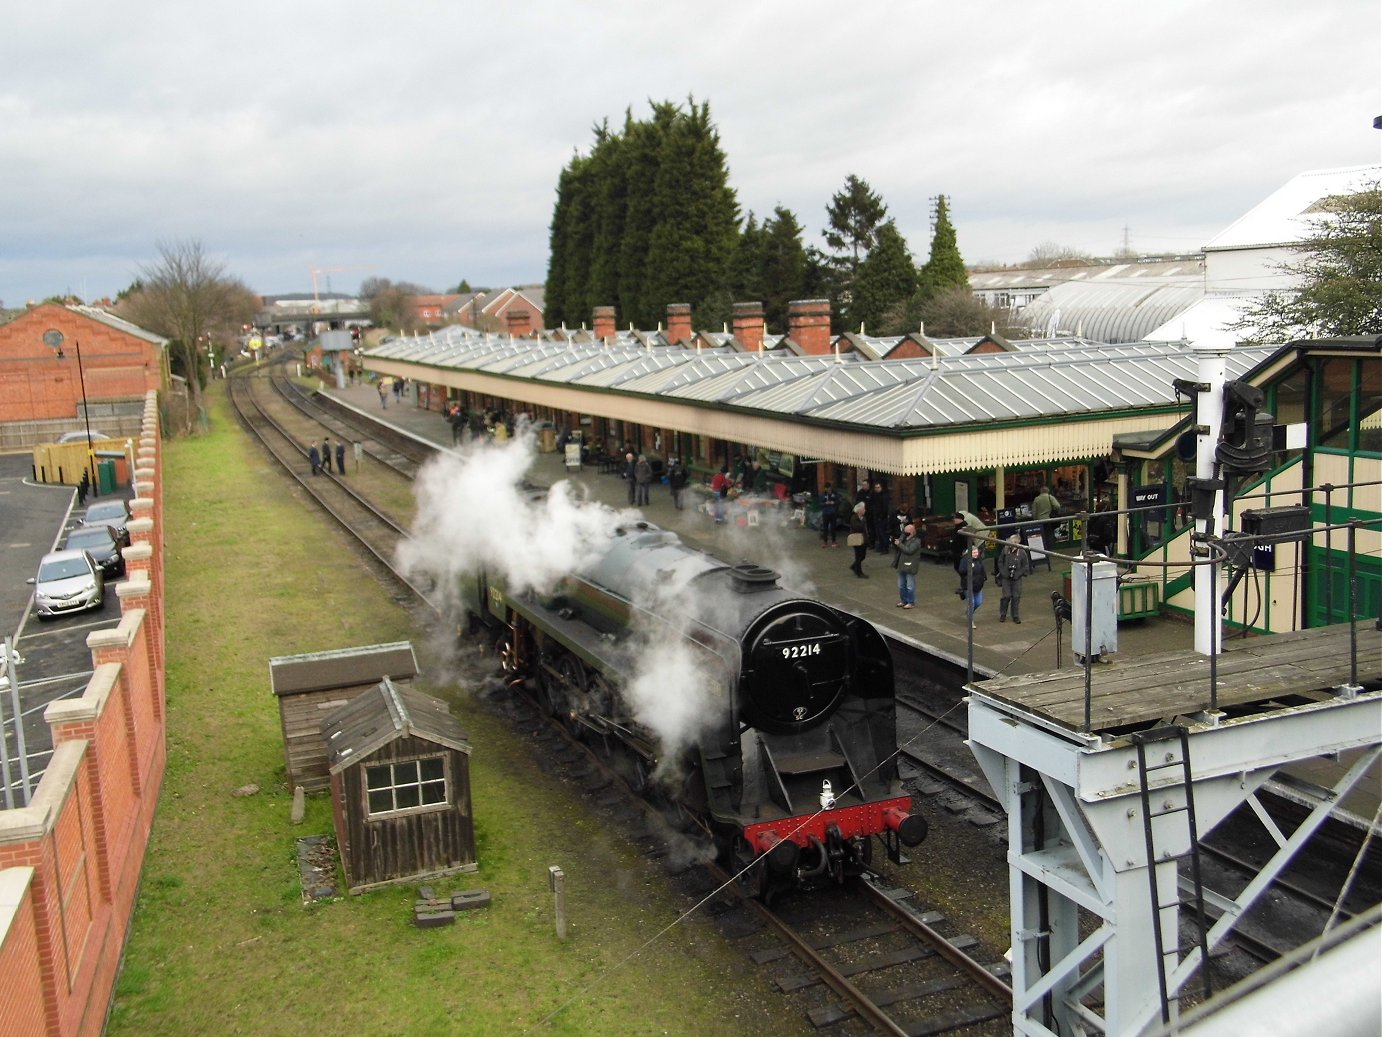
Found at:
(573, 680)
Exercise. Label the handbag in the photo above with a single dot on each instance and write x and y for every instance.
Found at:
(855, 540)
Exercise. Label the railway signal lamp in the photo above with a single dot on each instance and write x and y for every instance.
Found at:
(1245, 444)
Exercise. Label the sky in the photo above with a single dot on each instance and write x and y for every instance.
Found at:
(422, 141)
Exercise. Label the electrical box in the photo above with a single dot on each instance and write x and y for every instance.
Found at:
(1093, 601)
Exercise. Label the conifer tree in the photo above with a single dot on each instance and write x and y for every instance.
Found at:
(746, 265)
(643, 151)
(555, 309)
(783, 268)
(689, 250)
(945, 267)
(609, 202)
(887, 278)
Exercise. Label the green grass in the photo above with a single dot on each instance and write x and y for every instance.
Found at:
(221, 942)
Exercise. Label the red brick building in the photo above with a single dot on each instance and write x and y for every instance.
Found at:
(42, 384)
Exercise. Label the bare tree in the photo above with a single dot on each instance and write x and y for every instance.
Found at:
(1050, 253)
(188, 298)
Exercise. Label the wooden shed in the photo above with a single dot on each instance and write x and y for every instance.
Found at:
(400, 788)
(309, 687)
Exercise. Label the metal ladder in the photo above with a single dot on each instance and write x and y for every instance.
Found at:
(1195, 897)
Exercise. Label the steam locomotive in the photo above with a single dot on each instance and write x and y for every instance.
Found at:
(791, 766)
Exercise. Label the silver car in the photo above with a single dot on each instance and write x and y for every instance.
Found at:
(68, 581)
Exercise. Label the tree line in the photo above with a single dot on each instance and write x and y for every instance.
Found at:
(648, 217)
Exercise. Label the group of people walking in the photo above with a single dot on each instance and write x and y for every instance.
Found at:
(320, 457)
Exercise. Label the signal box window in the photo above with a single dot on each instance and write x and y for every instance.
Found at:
(411, 785)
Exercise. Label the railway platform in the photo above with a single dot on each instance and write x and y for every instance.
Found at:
(936, 625)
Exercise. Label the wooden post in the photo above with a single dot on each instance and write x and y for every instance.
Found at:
(557, 879)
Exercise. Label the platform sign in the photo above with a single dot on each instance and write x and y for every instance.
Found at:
(573, 455)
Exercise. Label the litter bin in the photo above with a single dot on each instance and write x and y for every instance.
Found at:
(548, 438)
(105, 476)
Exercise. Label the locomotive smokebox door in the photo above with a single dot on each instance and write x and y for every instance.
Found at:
(798, 670)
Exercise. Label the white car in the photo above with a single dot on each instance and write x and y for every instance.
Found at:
(68, 581)
(80, 437)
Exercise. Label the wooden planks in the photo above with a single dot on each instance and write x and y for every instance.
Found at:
(1148, 688)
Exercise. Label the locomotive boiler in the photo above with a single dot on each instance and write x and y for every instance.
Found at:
(790, 761)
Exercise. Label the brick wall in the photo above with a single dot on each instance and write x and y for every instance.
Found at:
(70, 860)
(35, 383)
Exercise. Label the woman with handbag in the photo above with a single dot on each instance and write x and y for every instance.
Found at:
(858, 539)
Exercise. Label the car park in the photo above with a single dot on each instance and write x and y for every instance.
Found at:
(114, 513)
(67, 581)
(102, 543)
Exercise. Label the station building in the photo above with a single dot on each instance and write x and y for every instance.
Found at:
(61, 364)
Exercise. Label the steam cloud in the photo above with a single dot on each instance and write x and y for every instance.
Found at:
(476, 512)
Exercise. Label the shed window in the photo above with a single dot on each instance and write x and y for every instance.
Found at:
(409, 785)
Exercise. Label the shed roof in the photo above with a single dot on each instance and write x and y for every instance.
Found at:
(385, 714)
(342, 668)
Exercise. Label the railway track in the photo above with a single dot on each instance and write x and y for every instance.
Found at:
(866, 984)
(896, 973)
(370, 527)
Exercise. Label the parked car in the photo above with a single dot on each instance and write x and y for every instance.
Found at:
(102, 544)
(114, 513)
(80, 436)
(67, 581)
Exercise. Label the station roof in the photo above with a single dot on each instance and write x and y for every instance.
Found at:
(1053, 378)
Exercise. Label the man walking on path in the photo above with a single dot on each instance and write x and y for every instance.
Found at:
(340, 458)
(326, 455)
(315, 458)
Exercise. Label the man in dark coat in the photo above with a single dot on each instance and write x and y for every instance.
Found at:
(315, 457)
(973, 575)
(326, 455)
(830, 514)
(340, 458)
(880, 513)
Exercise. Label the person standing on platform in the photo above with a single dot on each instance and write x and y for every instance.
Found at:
(830, 515)
(907, 562)
(631, 475)
(383, 396)
(858, 539)
(880, 511)
(1045, 506)
(642, 480)
(340, 458)
(676, 482)
(973, 576)
(1013, 566)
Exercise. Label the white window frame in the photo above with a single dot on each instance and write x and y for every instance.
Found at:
(404, 781)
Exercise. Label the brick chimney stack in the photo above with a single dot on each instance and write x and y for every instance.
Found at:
(748, 325)
(808, 325)
(602, 321)
(520, 322)
(679, 322)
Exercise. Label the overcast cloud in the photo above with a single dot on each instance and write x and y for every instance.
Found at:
(422, 141)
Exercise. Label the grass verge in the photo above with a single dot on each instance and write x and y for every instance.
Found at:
(221, 941)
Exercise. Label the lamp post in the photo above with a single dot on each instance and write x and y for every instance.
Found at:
(86, 413)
